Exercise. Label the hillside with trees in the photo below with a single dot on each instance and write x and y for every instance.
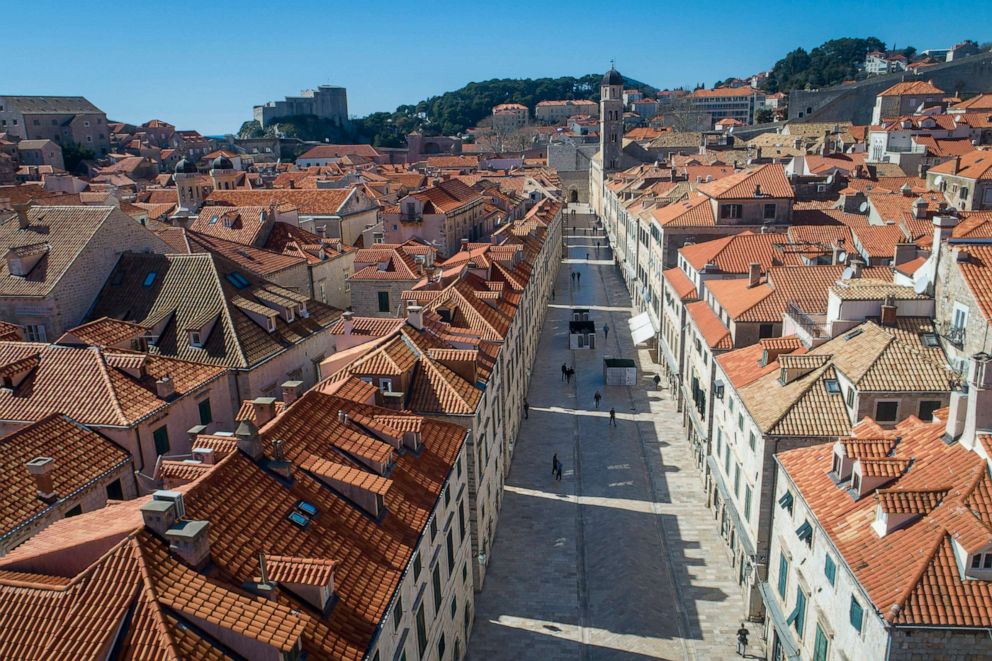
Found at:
(448, 114)
(830, 63)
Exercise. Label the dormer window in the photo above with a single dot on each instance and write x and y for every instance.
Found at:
(856, 483)
(386, 385)
(194, 340)
(981, 561)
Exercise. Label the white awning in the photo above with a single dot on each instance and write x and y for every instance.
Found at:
(640, 327)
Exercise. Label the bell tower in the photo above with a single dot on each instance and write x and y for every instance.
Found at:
(611, 119)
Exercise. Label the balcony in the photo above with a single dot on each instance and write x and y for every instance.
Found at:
(814, 326)
(955, 335)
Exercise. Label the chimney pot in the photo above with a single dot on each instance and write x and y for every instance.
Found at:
(754, 274)
(165, 388)
(889, 312)
(291, 391)
(204, 455)
(248, 439)
(22, 214)
(264, 409)
(190, 541)
(349, 322)
(195, 431)
(415, 315)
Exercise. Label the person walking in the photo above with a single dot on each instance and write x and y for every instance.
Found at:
(526, 409)
(554, 465)
(578, 277)
(587, 257)
(572, 275)
(558, 472)
(742, 640)
(568, 375)
(564, 371)
(606, 331)
(657, 381)
(552, 294)
(597, 397)
(613, 416)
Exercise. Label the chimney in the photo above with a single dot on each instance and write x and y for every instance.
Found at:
(315, 586)
(753, 275)
(920, 209)
(190, 542)
(41, 470)
(856, 266)
(264, 409)
(415, 315)
(349, 322)
(279, 464)
(464, 244)
(291, 391)
(248, 439)
(957, 165)
(164, 387)
(195, 431)
(22, 214)
(418, 260)
(906, 190)
(904, 252)
(978, 418)
(322, 231)
(204, 455)
(889, 310)
(163, 511)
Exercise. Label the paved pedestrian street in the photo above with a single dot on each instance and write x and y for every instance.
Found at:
(621, 559)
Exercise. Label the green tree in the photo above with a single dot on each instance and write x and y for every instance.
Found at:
(73, 155)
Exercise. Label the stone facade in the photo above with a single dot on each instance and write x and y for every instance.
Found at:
(62, 119)
(327, 102)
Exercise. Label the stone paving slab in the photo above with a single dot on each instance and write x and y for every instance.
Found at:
(621, 559)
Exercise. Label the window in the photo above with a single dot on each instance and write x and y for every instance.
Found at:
(386, 385)
(206, 415)
(161, 438)
(850, 397)
(461, 520)
(783, 575)
(929, 340)
(238, 280)
(927, 408)
(805, 533)
(960, 319)
(440, 648)
(856, 482)
(397, 613)
(785, 501)
(436, 579)
(451, 551)
(981, 561)
(418, 565)
(384, 301)
(752, 441)
(829, 569)
(820, 645)
(766, 330)
(719, 441)
(731, 211)
(747, 502)
(798, 616)
(857, 614)
(149, 279)
(886, 411)
(421, 631)
(726, 460)
(35, 333)
(433, 528)
(832, 386)
(115, 491)
(769, 211)
(737, 480)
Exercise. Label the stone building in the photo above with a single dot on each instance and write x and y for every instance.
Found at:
(965, 181)
(64, 120)
(906, 98)
(327, 102)
(443, 216)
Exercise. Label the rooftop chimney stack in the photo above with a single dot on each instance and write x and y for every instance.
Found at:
(165, 388)
(41, 470)
(204, 455)
(889, 312)
(349, 322)
(856, 266)
(753, 275)
(291, 391)
(415, 315)
(264, 409)
(978, 418)
(249, 441)
(190, 542)
(22, 214)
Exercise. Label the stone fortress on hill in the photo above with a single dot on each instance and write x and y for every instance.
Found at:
(327, 102)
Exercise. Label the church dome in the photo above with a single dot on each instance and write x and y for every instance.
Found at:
(612, 77)
(221, 163)
(185, 166)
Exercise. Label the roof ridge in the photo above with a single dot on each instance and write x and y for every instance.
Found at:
(103, 367)
(819, 372)
(155, 608)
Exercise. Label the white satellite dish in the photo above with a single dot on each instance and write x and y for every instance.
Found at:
(841, 256)
(938, 181)
(921, 286)
(846, 275)
(863, 208)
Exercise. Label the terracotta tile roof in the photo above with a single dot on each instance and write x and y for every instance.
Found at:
(294, 241)
(871, 289)
(339, 151)
(696, 211)
(911, 267)
(317, 202)
(680, 283)
(745, 366)
(103, 332)
(770, 178)
(910, 574)
(256, 260)
(735, 254)
(303, 571)
(84, 384)
(975, 165)
(81, 456)
(916, 87)
(189, 291)
(977, 274)
(448, 195)
(246, 225)
(371, 326)
(975, 103)
(715, 334)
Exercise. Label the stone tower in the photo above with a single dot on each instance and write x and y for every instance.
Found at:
(611, 119)
(189, 186)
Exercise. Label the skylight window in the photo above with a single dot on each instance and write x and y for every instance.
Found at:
(213, 219)
(298, 519)
(307, 508)
(929, 340)
(237, 280)
(832, 386)
(149, 279)
(854, 333)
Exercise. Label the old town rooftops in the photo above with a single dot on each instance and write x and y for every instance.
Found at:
(910, 574)
(248, 512)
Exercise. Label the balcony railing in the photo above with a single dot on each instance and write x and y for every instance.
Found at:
(813, 328)
(956, 335)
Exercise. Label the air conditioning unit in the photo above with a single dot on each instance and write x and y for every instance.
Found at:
(173, 497)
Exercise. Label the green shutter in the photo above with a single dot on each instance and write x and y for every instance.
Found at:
(800, 611)
(783, 575)
(857, 614)
(820, 645)
(829, 569)
(161, 438)
(206, 415)
(786, 501)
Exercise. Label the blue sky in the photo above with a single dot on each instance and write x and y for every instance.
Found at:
(202, 65)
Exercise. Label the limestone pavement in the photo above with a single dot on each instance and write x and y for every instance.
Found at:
(620, 559)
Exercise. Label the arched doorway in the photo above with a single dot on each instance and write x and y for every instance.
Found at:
(573, 196)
